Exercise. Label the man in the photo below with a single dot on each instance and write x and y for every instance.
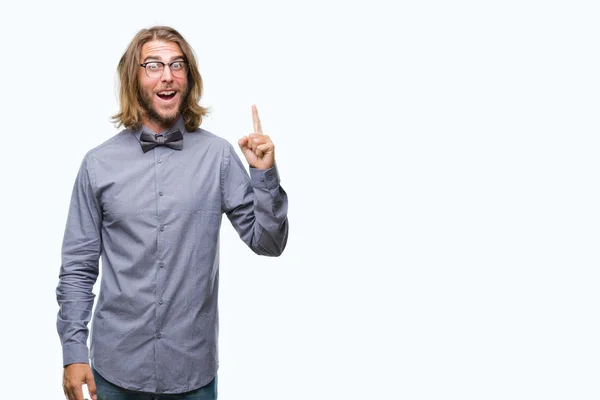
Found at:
(149, 201)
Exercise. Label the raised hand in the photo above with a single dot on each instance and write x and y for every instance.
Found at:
(257, 147)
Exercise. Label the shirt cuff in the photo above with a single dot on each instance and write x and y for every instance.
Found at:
(75, 353)
(264, 178)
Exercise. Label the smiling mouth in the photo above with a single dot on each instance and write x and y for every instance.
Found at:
(166, 94)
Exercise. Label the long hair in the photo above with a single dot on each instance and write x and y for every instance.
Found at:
(131, 110)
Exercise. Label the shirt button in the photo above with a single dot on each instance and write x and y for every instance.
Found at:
(158, 335)
(159, 160)
(161, 265)
(160, 193)
(162, 228)
(160, 301)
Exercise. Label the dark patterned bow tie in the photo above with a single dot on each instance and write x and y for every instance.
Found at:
(149, 141)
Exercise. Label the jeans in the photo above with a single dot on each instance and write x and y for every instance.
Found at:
(108, 391)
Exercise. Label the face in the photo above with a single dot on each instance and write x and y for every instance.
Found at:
(162, 97)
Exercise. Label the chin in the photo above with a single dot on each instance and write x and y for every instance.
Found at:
(169, 115)
(169, 112)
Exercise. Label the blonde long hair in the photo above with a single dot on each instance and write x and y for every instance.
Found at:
(131, 110)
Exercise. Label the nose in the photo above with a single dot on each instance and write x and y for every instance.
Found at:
(166, 76)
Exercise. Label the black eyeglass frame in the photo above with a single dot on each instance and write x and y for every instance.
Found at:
(187, 69)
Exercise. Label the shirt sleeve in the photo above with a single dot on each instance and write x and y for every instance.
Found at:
(81, 250)
(256, 205)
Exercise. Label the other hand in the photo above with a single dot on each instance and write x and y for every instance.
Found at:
(76, 375)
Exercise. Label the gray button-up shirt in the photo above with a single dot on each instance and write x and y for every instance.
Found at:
(154, 220)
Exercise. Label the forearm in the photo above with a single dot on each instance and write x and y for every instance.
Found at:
(76, 300)
(257, 208)
(270, 211)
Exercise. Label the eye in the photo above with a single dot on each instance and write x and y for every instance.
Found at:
(177, 65)
(153, 66)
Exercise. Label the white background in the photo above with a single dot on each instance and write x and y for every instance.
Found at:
(441, 160)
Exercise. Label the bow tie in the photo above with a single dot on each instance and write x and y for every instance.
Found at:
(149, 141)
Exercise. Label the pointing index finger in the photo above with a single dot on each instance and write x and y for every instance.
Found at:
(256, 120)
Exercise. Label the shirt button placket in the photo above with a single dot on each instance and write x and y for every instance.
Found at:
(161, 228)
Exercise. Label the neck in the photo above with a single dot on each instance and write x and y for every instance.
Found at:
(157, 126)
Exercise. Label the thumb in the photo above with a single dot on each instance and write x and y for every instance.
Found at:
(91, 384)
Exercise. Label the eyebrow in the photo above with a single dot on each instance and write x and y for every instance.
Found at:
(157, 58)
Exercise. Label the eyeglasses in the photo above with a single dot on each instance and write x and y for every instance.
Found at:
(155, 69)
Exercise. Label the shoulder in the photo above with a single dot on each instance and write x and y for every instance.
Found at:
(206, 138)
(115, 146)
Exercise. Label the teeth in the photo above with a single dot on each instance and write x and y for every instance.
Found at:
(168, 93)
